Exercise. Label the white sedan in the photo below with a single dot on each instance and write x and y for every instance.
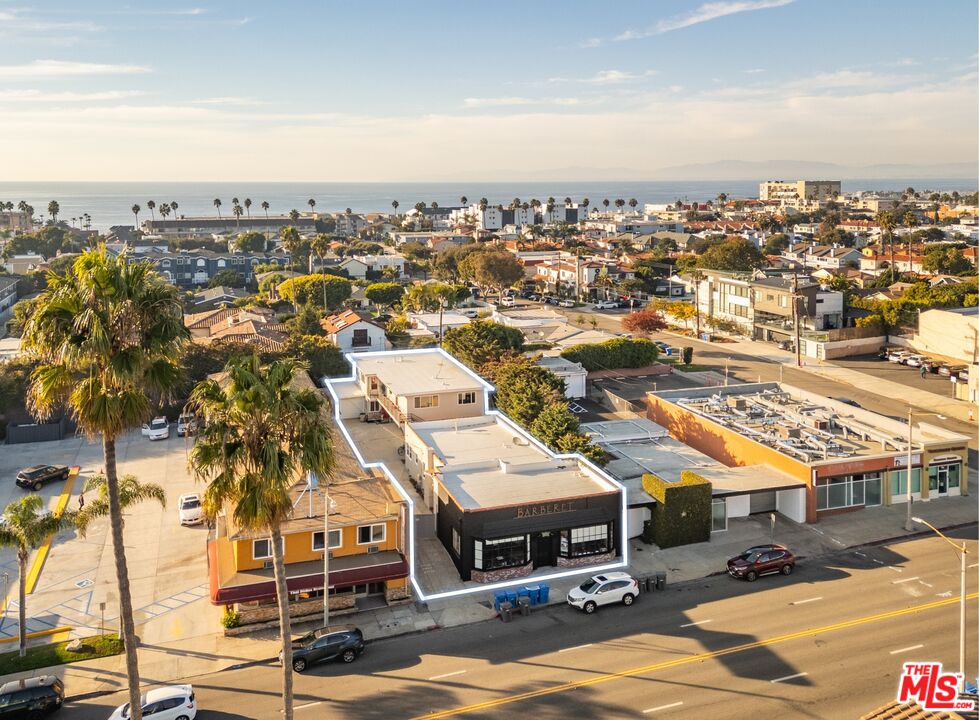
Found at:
(173, 702)
(605, 589)
(158, 429)
(190, 510)
(606, 305)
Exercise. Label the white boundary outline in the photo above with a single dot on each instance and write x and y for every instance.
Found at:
(419, 593)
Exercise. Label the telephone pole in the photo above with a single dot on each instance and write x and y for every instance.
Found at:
(795, 317)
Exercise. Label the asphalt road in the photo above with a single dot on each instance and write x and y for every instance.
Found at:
(826, 642)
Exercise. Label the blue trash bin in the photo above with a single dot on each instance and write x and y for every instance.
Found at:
(534, 592)
(545, 591)
(511, 597)
(498, 598)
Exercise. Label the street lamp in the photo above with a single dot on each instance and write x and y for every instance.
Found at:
(908, 524)
(962, 553)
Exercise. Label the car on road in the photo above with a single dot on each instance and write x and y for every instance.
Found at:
(31, 697)
(605, 589)
(664, 349)
(566, 303)
(37, 476)
(173, 702)
(186, 424)
(343, 642)
(761, 560)
(606, 305)
(157, 429)
(189, 509)
(507, 301)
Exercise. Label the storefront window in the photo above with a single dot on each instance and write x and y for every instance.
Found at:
(871, 484)
(848, 491)
(899, 482)
(501, 553)
(943, 477)
(590, 540)
(718, 512)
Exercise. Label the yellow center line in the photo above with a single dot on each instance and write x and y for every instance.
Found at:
(573, 685)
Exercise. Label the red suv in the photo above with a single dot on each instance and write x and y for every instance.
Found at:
(761, 560)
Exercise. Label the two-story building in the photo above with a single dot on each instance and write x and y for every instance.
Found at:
(256, 326)
(354, 332)
(8, 296)
(196, 267)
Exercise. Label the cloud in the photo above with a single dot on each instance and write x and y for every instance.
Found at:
(70, 97)
(705, 13)
(753, 71)
(14, 22)
(228, 100)
(513, 101)
(603, 77)
(62, 68)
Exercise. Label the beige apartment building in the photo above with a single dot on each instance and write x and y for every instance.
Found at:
(789, 193)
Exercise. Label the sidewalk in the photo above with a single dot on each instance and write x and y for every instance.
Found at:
(204, 654)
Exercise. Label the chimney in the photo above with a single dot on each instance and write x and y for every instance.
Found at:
(504, 466)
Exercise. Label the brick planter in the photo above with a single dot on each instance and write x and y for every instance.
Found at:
(578, 562)
(513, 573)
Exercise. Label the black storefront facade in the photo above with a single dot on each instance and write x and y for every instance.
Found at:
(509, 542)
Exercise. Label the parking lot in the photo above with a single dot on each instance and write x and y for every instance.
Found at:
(167, 562)
(910, 376)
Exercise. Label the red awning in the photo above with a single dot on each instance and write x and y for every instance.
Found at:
(265, 589)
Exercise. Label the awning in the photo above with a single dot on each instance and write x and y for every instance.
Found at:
(251, 585)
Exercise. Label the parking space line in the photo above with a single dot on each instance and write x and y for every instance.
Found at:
(906, 649)
(446, 675)
(895, 569)
(974, 565)
(662, 707)
(789, 677)
(42, 552)
(699, 622)
(807, 600)
(576, 647)
(903, 580)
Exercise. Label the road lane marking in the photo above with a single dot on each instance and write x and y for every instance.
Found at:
(808, 600)
(662, 707)
(789, 677)
(689, 659)
(699, 622)
(451, 674)
(891, 567)
(907, 649)
(308, 705)
(576, 647)
(903, 580)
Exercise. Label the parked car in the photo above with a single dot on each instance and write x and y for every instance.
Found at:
(761, 560)
(31, 697)
(606, 305)
(533, 296)
(566, 303)
(664, 349)
(173, 702)
(949, 370)
(527, 294)
(469, 312)
(884, 352)
(157, 429)
(507, 301)
(189, 509)
(37, 476)
(898, 356)
(186, 424)
(915, 360)
(963, 375)
(344, 642)
(605, 589)
(547, 299)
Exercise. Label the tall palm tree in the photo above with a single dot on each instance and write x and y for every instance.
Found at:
(394, 204)
(53, 209)
(237, 210)
(26, 525)
(312, 203)
(217, 204)
(483, 203)
(619, 203)
(136, 209)
(105, 337)
(605, 202)
(294, 215)
(151, 204)
(165, 210)
(131, 491)
(633, 203)
(567, 201)
(259, 436)
(265, 207)
(234, 201)
(463, 201)
(174, 206)
(885, 221)
(910, 222)
(248, 207)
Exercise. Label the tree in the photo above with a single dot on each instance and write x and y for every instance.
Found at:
(734, 254)
(248, 207)
(151, 206)
(446, 263)
(107, 336)
(136, 209)
(26, 525)
(265, 207)
(294, 244)
(644, 321)
(942, 261)
(493, 269)
(524, 389)
(251, 242)
(228, 277)
(328, 290)
(53, 209)
(481, 342)
(323, 357)
(305, 322)
(217, 206)
(633, 203)
(429, 297)
(612, 354)
(553, 423)
(131, 491)
(384, 294)
(294, 215)
(395, 204)
(312, 204)
(885, 221)
(173, 206)
(686, 354)
(237, 210)
(776, 244)
(259, 436)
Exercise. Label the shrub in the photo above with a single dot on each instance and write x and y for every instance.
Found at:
(231, 617)
(612, 354)
(682, 514)
(687, 354)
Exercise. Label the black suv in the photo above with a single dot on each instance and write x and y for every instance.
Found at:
(345, 642)
(32, 697)
(38, 476)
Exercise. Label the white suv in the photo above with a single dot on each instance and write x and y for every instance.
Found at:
(604, 589)
(157, 429)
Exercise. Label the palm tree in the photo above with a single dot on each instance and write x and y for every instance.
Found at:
(311, 203)
(260, 436)
(585, 203)
(265, 207)
(463, 201)
(885, 221)
(619, 203)
(633, 203)
(294, 215)
(165, 210)
(910, 221)
(106, 337)
(26, 525)
(131, 491)
(151, 204)
(567, 202)
(217, 204)
(483, 203)
(234, 201)
(394, 204)
(136, 209)
(605, 203)
(237, 210)
(248, 207)
(53, 209)
(174, 206)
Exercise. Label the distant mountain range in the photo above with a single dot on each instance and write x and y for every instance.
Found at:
(812, 170)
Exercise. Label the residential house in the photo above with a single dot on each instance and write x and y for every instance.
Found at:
(571, 373)
(8, 296)
(354, 332)
(15, 221)
(256, 326)
(219, 296)
(723, 295)
(186, 268)
(823, 257)
(372, 266)
(435, 324)
(23, 264)
(196, 227)
(349, 224)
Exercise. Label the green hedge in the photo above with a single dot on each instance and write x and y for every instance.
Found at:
(613, 354)
(682, 514)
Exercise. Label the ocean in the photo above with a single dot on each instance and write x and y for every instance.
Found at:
(109, 203)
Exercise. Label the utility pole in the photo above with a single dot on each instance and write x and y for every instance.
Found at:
(908, 524)
(696, 302)
(795, 317)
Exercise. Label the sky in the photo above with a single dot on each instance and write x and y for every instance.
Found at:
(432, 90)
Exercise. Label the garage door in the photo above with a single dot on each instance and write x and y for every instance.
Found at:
(762, 502)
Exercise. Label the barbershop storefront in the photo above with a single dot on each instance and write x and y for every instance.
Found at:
(510, 542)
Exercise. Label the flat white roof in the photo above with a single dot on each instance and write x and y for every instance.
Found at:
(412, 373)
(490, 464)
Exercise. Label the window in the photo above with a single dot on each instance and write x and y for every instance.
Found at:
(847, 491)
(261, 549)
(336, 539)
(501, 553)
(943, 477)
(590, 540)
(899, 482)
(360, 338)
(467, 398)
(426, 401)
(718, 513)
(368, 534)
(456, 542)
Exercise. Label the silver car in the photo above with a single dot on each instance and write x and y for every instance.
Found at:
(604, 589)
